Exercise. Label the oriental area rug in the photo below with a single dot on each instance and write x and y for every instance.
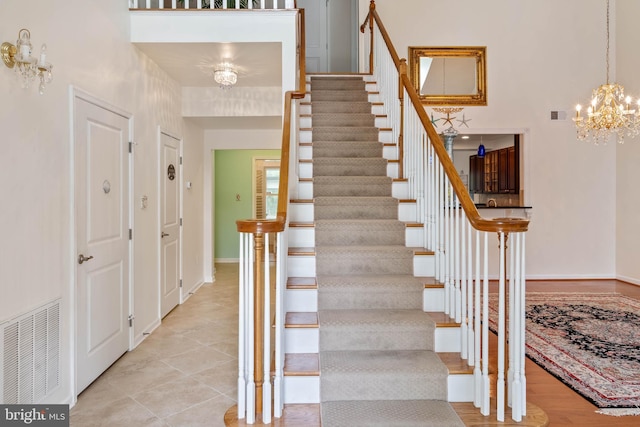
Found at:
(591, 342)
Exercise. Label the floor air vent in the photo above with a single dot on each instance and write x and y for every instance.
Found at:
(31, 355)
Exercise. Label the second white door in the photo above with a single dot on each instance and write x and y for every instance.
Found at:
(169, 223)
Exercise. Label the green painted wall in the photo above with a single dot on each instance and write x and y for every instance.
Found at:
(232, 175)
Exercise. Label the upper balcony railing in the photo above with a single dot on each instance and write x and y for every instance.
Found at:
(212, 4)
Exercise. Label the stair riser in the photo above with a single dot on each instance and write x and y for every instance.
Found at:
(433, 299)
(341, 107)
(340, 339)
(390, 152)
(301, 340)
(305, 237)
(414, 237)
(301, 237)
(306, 389)
(371, 97)
(301, 300)
(351, 169)
(315, 122)
(356, 212)
(307, 121)
(301, 389)
(424, 266)
(337, 84)
(364, 265)
(346, 149)
(350, 386)
(407, 212)
(460, 388)
(352, 236)
(301, 212)
(400, 189)
(301, 266)
(306, 170)
(351, 190)
(377, 300)
(345, 134)
(448, 340)
(338, 95)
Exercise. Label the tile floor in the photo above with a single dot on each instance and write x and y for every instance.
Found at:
(183, 374)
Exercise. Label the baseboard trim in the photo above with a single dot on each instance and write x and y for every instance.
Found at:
(188, 293)
(630, 280)
(147, 331)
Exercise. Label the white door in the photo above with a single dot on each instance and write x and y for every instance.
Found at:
(169, 223)
(315, 16)
(101, 144)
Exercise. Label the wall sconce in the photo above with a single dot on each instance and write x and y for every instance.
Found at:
(27, 68)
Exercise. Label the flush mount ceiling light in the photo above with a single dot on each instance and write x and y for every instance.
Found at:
(225, 75)
(609, 112)
(27, 68)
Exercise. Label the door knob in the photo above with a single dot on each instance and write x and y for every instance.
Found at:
(82, 258)
(163, 235)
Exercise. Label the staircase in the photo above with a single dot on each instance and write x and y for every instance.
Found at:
(358, 338)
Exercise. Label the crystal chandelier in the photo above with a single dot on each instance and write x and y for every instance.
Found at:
(27, 68)
(225, 75)
(609, 112)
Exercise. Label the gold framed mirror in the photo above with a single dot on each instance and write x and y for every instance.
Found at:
(449, 75)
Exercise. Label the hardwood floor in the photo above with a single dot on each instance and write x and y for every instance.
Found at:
(563, 406)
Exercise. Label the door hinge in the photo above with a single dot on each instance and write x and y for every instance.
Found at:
(131, 317)
(131, 146)
(180, 222)
(180, 159)
(130, 234)
(180, 282)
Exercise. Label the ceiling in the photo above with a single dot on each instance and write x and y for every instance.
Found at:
(192, 65)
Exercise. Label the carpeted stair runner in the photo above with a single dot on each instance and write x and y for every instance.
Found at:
(377, 364)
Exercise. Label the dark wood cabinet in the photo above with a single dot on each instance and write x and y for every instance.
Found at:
(513, 175)
(497, 172)
(476, 174)
(491, 169)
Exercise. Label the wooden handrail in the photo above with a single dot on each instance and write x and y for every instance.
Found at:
(277, 225)
(302, 85)
(483, 224)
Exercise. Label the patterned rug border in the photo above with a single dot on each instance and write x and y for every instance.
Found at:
(548, 364)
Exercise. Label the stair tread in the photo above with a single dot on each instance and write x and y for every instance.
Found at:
(302, 251)
(302, 283)
(383, 413)
(298, 319)
(382, 362)
(378, 318)
(301, 364)
(455, 364)
(443, 320)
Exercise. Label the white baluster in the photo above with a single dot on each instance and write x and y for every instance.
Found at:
(471, 360)
(523, 323)
(485, 409)
(515, 339)
(281, 279)
(251, 385)
(242, 381)
(500, 382)
(477, 373)
(266, 385)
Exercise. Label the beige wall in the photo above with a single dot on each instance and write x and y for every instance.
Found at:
(541, 55)
(88, 44)
(628, 154)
